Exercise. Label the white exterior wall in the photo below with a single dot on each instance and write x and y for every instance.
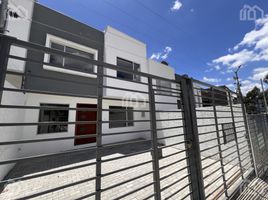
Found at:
(10, 133)
(30, 132)
(164, 71)
(20, 29)
(161, 70)
(118, 44)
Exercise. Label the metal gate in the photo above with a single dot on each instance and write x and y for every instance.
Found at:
(226, 155)
(180, 141)
(258, 125)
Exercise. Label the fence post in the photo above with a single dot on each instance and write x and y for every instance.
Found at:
(99, 132)
(4, 52)
(191, 135)
(236, 140)
(154, 141)
(248, 135)
(219, 142)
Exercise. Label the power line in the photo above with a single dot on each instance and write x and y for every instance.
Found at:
(160, 16)
(82, 37)
(156, 40)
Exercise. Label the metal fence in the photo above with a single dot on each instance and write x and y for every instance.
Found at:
(258, 126)
(187, 140)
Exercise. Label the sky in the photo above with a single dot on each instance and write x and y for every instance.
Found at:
(206, 40)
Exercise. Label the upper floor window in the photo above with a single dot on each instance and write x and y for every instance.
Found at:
(70, 65)
(163, 87)
(131, 66)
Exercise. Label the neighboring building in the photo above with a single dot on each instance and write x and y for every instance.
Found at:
(215, 97)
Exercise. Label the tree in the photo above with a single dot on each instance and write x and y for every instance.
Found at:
(265, 79)
(254, 100)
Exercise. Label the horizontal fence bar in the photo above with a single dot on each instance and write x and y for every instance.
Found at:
(124, 182)
(173, 163)
(175, 172)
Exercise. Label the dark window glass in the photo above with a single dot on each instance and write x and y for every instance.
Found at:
(116, 116)
(228, 132)
(48, 115)
(73, 63)
(56, 59)
(69, 62)
(130, 116)
(179, 106)
(164, 86)
(136, 69)
(129, 66)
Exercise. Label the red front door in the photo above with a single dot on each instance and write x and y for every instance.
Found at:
(85, 129)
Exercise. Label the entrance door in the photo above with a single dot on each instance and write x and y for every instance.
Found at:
(85, 129)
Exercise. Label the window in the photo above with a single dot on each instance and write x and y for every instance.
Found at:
(261, 140)
(49, 115)
(131, 66)
(117, 114)
(228, 130)
(179, 104)
(69, 65)
(163, 85)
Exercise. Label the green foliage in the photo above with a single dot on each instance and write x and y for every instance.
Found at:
(254, 100)
(266, 79)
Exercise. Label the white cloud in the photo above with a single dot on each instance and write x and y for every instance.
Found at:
(234, 60)
(248, 85)
(231, 86)
(252, 48)
(176, 5)
(217, 67)
(211, 80)
(162, 55)
(254, 79)
(259, 33)
(229, 79)
(259, 73)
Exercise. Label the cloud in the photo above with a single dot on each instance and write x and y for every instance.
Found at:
(252, 48)
(248, 85)
(162, 55)
(229, 79)
(256, 35)
(237, 59)
(176, 5)
(259, 73)
(211, 80)
(254, 79)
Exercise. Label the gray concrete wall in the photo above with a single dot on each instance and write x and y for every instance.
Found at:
(88, 37)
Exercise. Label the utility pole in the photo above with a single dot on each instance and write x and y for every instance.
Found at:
(238, 85)
(3, 16)
(264, 98)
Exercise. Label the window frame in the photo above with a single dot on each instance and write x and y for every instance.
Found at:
(135, 77)
(226, 135)
(61, 41)
(164, 89)
(55, 105)
(127, 111)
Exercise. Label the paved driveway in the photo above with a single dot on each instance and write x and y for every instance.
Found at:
(80, 183)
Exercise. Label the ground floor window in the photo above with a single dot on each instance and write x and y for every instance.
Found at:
(119, 116)
(53, 115)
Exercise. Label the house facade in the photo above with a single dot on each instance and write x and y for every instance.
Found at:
(56, 76)
(60, 86)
